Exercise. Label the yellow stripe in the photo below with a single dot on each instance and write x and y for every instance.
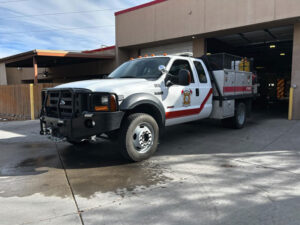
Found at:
(291, 103)
(31, 101)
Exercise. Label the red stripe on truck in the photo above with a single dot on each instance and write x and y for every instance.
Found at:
(189, 112)
(237, 89)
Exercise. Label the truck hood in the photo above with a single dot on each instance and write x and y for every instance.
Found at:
(117, 86)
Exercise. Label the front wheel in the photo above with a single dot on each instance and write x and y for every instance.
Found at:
(139, 137)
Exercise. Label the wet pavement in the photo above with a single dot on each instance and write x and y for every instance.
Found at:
(201, 174)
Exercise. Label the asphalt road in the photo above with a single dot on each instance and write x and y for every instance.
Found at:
(202, 174)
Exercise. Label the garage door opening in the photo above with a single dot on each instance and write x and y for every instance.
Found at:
(270, 50)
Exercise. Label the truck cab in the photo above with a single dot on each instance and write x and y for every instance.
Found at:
(134, 103)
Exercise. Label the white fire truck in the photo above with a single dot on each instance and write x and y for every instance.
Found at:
(142, 96)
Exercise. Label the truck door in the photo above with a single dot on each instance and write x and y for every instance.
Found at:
(204, 92)
(181, 102)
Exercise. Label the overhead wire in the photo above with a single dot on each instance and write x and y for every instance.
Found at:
(58, 13)
(47, 30)
(13, 1)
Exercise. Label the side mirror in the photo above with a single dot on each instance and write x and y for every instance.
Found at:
(184, 77)
(162, 69)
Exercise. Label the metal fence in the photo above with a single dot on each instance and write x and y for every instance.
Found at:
(21, 101)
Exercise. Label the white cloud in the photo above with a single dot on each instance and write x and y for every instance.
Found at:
(20, 34)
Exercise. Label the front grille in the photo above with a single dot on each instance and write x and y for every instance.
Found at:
(65, 103)
(60, 104)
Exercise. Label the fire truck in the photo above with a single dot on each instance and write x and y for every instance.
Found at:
(141, 97)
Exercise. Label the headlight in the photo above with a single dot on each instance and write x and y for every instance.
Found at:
(104, 100)
(101, 102)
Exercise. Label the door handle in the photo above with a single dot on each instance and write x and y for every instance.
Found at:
(197, 91)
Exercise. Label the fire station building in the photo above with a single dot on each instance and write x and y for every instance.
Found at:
(266, 30)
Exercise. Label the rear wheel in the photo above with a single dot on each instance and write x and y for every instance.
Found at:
(139, 137)
(240, 115)
(239, 119)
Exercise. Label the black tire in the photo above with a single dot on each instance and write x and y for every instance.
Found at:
(139, 137)
(239, 119)
(240, 115)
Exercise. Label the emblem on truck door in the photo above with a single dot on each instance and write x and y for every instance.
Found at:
(186, 97)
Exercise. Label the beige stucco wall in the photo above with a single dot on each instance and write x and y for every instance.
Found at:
(180, 18)
(296, 72)
(199, 47)
(15, 75)
(106, 52)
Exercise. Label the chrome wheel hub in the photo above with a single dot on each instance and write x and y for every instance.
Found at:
(143, 137)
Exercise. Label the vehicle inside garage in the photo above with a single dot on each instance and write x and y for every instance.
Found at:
(270, 54)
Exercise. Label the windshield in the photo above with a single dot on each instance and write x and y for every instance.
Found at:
(140, 68)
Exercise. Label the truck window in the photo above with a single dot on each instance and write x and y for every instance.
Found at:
(179, 65)
(200, 71)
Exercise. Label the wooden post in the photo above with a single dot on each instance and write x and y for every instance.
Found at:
(35, 68)
(31, 90)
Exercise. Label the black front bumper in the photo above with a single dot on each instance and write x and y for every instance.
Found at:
(85, 126)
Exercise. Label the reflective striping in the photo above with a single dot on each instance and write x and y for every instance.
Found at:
(280, 88)
(189, 112)
(237, 89)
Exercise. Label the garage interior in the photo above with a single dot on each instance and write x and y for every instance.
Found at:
(270, 51)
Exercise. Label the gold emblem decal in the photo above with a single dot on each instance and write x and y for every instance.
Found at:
(186, 97)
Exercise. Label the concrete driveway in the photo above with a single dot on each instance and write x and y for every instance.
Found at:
(202, 174)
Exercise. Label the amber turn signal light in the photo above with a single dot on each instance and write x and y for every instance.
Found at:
(101, 108)
(113, 103)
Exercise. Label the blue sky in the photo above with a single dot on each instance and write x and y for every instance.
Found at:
(76, 24)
